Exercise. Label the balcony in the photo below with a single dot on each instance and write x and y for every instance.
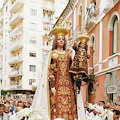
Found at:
(1, 30)
(16, 18)
(15, 72)
(15, 87)
(16, 31)
(48, 6)
(91, 18)
(16, 59)
(16, 6)
(16, 45)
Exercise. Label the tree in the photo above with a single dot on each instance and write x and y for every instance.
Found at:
(4, 92)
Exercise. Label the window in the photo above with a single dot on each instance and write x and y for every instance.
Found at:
(31, 81)
(115, 35)
(32, 68)
(33, 26)
(33, 12)
(33, 40)
(32, 54)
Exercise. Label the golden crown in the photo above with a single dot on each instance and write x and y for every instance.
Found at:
(83, 38)
(59, 30)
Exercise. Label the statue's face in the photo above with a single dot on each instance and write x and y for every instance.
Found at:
(60, 41)
(82, 45)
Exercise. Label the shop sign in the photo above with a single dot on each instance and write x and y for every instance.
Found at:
(111, 89)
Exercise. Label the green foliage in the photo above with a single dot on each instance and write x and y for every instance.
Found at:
(4, 92)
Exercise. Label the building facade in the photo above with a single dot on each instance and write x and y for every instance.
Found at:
(22, 27)
(100, 19)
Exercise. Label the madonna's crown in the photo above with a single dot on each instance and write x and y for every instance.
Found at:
(83, 37)
(59, 30)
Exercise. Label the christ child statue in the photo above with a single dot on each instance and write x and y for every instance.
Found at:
(79, 64)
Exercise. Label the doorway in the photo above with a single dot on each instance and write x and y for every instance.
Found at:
(91, 93)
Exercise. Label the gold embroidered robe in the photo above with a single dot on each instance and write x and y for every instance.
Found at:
(79, 63)
(63, 104)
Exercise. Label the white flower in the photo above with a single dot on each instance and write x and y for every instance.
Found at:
(27, 111)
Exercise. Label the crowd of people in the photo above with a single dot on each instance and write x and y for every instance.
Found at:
(10, 106)
(100, 111)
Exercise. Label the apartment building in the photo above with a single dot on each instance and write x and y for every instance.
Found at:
(23, 41)
(100, 19)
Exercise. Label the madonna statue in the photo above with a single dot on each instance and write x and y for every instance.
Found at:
(55, 91)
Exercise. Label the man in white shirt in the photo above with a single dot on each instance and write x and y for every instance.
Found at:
(3, 116)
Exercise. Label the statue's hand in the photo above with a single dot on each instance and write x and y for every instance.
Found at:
(53, 91)
(51, 78)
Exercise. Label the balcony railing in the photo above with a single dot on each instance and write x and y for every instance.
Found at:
(16, 6)
(91, 17)
(16, 45)
(16, 59)
(16, 18)
(16, 34)
(15, 72)
(15, 87)
(18, 30)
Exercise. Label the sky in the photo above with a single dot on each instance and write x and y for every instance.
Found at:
(1, 2)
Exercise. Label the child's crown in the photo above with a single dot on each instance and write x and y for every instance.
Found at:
(83, 37)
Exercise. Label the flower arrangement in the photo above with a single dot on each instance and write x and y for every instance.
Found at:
(30, 114)
(33, 114)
